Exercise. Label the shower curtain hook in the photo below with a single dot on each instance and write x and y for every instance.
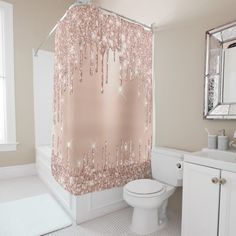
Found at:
(154, 27)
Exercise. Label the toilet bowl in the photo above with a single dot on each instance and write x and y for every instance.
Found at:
(149, 197)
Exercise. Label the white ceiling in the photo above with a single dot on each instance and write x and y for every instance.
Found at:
(166, 12)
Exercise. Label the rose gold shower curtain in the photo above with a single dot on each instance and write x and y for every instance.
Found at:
(102, 101)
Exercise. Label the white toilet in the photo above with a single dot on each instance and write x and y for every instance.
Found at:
(150, 197)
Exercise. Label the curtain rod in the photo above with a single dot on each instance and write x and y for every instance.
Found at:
(127, 18)
(81, 4)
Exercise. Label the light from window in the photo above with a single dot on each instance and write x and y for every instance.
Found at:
(2, 82)
(7, 90)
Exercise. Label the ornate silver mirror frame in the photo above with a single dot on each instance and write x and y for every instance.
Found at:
(220, 74)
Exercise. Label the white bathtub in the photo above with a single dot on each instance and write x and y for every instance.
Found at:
(81, 208)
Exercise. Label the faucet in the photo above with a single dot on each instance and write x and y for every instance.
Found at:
(233, 142)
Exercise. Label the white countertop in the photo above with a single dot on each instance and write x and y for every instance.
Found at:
(224, 160)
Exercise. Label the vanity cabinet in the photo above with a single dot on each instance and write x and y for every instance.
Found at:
(209, 201)
(227, 209)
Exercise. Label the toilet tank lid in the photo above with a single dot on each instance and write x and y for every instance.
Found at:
(169, 151)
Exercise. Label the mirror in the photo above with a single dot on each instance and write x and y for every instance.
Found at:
(220, 73)
(229, 94)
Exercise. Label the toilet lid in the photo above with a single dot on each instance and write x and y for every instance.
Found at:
(144, 186)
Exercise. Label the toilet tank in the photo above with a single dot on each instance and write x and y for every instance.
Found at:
(167, 166)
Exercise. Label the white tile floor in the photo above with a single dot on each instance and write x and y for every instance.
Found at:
(115, 224)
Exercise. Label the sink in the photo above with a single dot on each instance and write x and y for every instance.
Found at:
(225, 160)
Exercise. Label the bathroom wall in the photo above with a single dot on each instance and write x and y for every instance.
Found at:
(33, 19)
(180, 66)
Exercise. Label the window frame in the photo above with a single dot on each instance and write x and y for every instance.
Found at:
(10, 143)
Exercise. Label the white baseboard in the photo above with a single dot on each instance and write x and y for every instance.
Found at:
(11, 172)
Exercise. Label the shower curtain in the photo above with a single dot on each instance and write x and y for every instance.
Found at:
(102, 134)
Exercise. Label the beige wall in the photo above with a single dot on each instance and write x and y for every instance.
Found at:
(180, 67)
(33, 19)
(180, 87)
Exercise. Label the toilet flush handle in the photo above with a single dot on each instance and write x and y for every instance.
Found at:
(179, 166)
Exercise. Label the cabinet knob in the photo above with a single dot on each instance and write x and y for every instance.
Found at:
(222, 181)
(214, 180)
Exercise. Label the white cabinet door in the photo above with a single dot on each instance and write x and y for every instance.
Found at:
(200, 201)
(227, 225)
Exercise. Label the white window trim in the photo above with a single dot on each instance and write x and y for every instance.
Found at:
(10, 144)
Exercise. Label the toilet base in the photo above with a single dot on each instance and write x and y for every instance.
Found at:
(146, 221)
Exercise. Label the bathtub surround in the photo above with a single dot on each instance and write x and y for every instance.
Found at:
(102, 132)
(43, 72)
(81, 208)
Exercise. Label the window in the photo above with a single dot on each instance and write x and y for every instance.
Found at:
(7, 91)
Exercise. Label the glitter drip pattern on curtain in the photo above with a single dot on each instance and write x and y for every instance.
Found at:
(102, 132)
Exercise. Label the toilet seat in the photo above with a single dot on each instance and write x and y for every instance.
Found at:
(149, 200)
(144, 188)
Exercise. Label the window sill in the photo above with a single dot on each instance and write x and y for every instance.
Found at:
(8, 147)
